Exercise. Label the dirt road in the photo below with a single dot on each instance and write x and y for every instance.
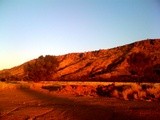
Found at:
(26, 104)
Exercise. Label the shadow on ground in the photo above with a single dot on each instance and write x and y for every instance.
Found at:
(64, 108)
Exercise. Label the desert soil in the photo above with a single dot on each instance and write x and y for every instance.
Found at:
(27, 104)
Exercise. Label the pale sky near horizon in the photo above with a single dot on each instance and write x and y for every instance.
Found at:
(30, 28)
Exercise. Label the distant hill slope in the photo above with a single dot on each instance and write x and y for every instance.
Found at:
(139, 61)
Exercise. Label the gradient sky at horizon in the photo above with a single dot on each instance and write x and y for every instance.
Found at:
(30, 28)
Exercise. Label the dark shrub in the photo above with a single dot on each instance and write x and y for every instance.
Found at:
(105, 90)
(51, 88)
(2, 79)
(138, 62)
(41, 69)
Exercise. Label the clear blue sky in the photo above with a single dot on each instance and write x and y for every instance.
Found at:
(30, 28)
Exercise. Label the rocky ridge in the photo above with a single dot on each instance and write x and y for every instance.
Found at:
(111, 64)
(139, 61)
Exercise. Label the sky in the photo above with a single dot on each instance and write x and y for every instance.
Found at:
(30, 28)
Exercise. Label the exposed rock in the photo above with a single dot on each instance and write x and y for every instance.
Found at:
(110, 65)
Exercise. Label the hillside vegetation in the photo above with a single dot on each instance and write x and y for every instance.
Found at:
(139, 61)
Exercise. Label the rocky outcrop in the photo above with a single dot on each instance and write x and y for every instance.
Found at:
(139, 61)
(112, 64)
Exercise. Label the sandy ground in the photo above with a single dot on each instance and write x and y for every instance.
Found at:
(26, 104)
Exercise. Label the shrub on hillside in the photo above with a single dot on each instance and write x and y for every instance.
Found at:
(138, 62)
(41, 69)
(4, 76)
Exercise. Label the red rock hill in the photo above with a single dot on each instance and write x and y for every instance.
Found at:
(139, 61)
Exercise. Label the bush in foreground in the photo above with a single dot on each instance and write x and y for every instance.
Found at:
(133, 91)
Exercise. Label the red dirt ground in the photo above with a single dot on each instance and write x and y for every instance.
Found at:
(26, 104)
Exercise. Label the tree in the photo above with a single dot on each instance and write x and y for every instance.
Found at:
(4, 76)
(41, 69)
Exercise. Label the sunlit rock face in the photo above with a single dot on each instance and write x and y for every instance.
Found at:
(136, 61)
(139, 61)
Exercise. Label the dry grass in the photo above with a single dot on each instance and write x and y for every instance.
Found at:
(126, 91)
(78, 90)
(132, 91)
(120, 90)
(7, 86)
